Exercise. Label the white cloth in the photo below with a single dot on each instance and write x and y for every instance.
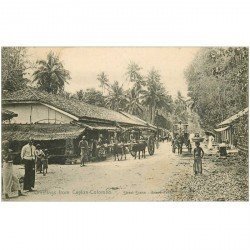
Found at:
(28, 152)
(10, 182)
(210, 142)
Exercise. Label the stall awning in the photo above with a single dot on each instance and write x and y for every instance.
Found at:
(221, 129)
(41, 132)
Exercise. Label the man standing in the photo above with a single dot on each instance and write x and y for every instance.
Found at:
(10, 181)
(28, 157)
(83, 145)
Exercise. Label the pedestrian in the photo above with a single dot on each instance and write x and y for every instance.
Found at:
(94, 149)
(210, 142)
(83, 145)
(45, 162)
(10, 181)
(39, 156)
(198, 155)
(28, 157)
(90, 149)
(101, 150)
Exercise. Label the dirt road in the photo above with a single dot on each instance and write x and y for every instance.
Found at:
(126, 180)
(162, 177)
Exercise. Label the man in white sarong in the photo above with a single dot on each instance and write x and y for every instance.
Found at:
(10, 182)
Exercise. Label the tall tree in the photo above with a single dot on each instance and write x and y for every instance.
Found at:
(104, 81)
(155, 96)
(14, 68)
(51, 76)
(180, 109)
(116, 99)
(133, 105)
(218, 83)
(134, 75)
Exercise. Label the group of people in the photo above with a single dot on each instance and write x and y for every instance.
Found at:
(97, 149)
(91, 149)
(34, 159)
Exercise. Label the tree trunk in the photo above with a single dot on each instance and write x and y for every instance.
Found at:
(153, 113)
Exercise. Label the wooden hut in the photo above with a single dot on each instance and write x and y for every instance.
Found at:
(234, 131)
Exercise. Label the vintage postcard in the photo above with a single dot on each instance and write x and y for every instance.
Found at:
(124, 123)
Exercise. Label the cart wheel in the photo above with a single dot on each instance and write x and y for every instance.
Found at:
(151, 145)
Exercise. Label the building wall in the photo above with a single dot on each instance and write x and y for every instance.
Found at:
(31, 113)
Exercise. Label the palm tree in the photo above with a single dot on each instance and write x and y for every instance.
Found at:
(155, 96)
(133, 75)
(51, 75)
(116, 99)
(180, 108)
(134, 106)
(103, 79)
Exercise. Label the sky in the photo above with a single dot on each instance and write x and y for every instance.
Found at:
(85, 63)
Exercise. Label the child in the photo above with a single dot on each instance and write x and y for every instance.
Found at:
(39, 155)
(45, 161)
(198, 155)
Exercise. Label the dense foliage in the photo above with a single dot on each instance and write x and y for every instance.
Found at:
(14, 68)
(218, 83)
(91, 96)
(116, 99)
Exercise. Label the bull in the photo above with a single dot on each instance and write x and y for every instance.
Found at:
(139, 147)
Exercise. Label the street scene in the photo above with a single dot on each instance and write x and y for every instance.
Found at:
(125, 124)
(162, 177)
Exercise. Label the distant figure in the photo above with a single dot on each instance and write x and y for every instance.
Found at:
(210, 142)
(28, 157)
(94, 148)
(83, 145)
(101, 151)
(132, 137)
(45, 161)
(90, 150)
(198, 155)
(10, 182)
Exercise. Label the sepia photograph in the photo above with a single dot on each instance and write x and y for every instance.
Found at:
(125, 123)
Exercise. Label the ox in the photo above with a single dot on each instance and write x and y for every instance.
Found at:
(139, 147)
(119, 149)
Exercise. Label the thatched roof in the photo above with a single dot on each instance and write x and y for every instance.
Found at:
(40, 132)
(72, 106)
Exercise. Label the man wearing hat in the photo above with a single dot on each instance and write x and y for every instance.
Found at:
(83, 145)
(28, 157)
